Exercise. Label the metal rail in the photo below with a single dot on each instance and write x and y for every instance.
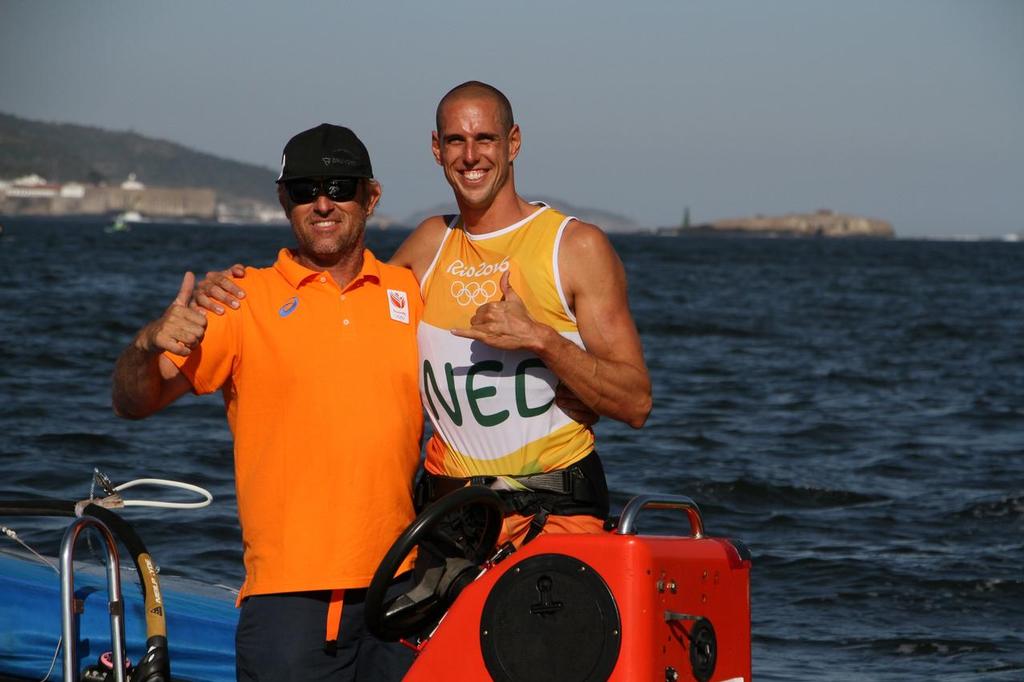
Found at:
(627, 521)
(68, 609)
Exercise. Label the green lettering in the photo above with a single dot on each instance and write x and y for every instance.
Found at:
(525, 410)
(475, 394)
(455, 411)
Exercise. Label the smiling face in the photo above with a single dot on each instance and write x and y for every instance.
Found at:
(330, 231)
(475, 150)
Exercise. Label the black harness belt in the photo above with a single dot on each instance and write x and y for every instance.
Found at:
(577, 489)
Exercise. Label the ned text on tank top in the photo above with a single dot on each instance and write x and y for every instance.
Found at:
(492, 410)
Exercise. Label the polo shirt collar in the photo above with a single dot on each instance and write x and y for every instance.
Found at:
(296, 274)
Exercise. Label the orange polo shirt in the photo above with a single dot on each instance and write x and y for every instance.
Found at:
(322, 396)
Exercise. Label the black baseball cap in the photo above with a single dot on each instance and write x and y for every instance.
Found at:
(327, 151)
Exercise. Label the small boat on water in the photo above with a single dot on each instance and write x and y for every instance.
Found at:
(123, 222)
(619, 605)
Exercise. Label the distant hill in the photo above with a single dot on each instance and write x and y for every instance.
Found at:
(606, 220)
(63, 152)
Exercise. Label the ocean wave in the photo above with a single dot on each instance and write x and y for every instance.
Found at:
(81, 440)
(987, 412)
(48, 361)
(755, 495)
(931, 330)
(700, 329)
(1006, 508)
(28, 411)
(826, 430)
(925, 646)
(856, 379)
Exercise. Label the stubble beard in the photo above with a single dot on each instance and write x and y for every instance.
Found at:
(326, 251)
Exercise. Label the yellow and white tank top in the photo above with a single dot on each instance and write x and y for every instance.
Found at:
(492, 410)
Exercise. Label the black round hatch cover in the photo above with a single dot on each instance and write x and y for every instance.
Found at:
(703, 650)
(550, 617)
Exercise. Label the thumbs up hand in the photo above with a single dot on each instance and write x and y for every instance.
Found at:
(505, 323)
(507, 292)
(179, 329)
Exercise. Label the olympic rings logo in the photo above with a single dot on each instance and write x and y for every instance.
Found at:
(476, 293)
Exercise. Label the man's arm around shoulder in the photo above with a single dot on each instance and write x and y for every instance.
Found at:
(145, 381)
(415, 253)
(418, 250)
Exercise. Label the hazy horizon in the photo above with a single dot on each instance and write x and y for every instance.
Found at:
(909, 112)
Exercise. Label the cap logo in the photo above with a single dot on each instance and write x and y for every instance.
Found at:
(334, 160)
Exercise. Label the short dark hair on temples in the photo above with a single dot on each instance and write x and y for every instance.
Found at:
(478, 89)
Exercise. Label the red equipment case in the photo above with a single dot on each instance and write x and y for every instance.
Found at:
(617, 606)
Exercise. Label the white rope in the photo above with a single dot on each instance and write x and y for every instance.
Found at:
(53, 661)
(203, 492)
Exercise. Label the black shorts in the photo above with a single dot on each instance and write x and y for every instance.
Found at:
(281, 638)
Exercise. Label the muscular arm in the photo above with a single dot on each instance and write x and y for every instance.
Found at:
(144, 380)
(610, 376)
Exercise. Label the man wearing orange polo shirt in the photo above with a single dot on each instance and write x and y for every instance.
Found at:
(319, 378)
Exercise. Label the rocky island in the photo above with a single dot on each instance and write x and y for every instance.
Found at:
(823, 223)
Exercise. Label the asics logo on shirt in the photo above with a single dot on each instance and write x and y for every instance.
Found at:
(473, 293)
(289, 307)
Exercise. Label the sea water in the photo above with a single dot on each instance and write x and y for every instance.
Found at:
(853, 411)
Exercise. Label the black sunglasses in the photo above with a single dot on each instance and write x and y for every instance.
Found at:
(306, 190)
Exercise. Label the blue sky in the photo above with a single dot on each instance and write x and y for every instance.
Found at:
(907, 110)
